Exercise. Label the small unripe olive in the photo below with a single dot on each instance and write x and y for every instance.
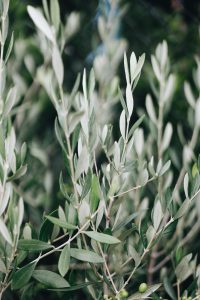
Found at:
(143, 287)
(123, 293)
(189, 298)
(184, 298)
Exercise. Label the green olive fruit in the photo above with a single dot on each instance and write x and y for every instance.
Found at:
(143, 287)
(123, 293)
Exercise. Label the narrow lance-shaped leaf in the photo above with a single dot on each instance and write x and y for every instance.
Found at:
(57, 65)
(40, 22)
(129, 99)
(94, 194)
(64, 261)
(122, 124)
(33, 245)
(102, 238)
(50, 279)
(55, 13)
(157, 215)
(60, 223)
(86, 255)
(5, 233)
(22, 276)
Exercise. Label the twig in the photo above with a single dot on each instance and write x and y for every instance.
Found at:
(134, 188)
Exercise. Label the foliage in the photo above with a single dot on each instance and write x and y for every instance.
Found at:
(129, 192)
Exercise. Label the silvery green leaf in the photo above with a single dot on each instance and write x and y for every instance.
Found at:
(184, 269)
(186, 184)
(189, 95)
(33, 245)
(150, 233)
(129, 99)
(119, 211)
(183, 209)
(126, 69)
(138, 68)
(61, 223)
(122, 124)
(84, 84)
(85, 255)
(5, 194)
(159, 166)
(84, 213)
(157, 215)
(10, 146)
(197, 113)
(50, 279)
(164, 54)
(27, 232)
(61, 214)
(143, 177)
(57, 65)
(167, 136)
(187, 154)
(5, 29)
(5, 7)
(9, 48)
(46, 9)
(139, 141)
(135, 255)
(74, 120)
(165, 168)
(83, 163)
(5, 233)
(151, 166)
(156, 67)
(40, 22)
(150, 109)
(104, 133)
(169, 88)
(121, 97)
(91, 83)
(10, 101)
(102, 238)
(64, 261)
(19, 173)
(136, 125)
(55, 13)
(23, 152)
(133, 65)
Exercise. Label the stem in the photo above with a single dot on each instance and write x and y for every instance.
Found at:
(178, 290)
(145, 252)
(106, 264)
(133, 188)
(69, 240)
(69, 148)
